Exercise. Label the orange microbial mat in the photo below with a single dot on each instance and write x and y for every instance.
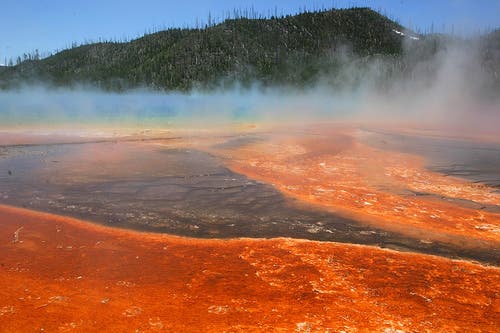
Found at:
(270, 230)
(63, 275)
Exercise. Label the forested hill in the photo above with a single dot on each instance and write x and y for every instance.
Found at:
(292, 50)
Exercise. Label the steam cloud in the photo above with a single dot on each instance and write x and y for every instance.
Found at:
(451, 90)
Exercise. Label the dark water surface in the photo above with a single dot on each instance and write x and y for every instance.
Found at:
(474, 161)
(178, 191)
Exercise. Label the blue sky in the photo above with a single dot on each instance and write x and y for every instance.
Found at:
(47, 25)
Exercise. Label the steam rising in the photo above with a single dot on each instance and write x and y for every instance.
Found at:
(450, 91)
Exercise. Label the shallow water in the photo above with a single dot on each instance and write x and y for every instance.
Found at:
(474, 161)
(180, 191)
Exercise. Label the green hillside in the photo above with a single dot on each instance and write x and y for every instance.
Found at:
(292, 50)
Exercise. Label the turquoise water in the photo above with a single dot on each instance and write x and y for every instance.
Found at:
(59, 108)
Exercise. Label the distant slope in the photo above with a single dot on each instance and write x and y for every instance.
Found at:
(291, 49)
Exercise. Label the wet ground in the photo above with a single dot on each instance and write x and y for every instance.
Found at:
(343, 171)
(163, 186)
(476, 161)
(58, 274)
